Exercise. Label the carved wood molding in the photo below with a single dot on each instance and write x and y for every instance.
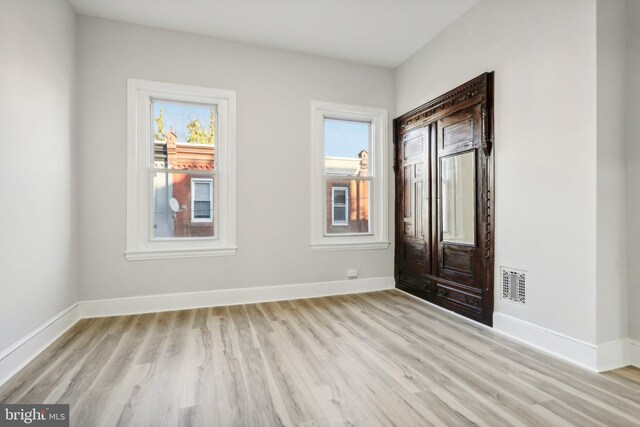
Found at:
(470, 294)
(472, 301)
(474, 89)
(487, 140)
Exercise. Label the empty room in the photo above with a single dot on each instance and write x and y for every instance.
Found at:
(320, 213)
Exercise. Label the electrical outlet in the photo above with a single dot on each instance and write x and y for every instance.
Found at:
(352, 274)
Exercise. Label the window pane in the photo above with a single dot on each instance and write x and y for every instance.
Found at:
(202, 210)
(184, 135)
(458, 198)
(346, 147)
(172, 208)
(202, 191)
(339, 197)
(347, 213)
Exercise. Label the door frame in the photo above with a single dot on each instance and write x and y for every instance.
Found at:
(477, 91)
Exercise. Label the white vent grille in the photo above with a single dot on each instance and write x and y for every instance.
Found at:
(514, 285)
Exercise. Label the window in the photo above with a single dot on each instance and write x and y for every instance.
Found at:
(349, 166)
(339, 205)
(181, 171)
(202, 200)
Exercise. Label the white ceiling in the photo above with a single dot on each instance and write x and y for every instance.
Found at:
(377, 32)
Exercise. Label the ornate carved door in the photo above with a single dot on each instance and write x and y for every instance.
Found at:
(444, 200)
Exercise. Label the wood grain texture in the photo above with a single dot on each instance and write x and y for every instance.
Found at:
(375, 359)
(456, 274)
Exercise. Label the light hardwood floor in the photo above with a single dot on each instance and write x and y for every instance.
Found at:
(371, 359)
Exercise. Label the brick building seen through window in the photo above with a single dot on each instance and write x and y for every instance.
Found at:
(193, 193)
(347, 199)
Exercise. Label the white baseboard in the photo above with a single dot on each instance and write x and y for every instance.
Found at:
(609, 355)
(618, 354)
(562, 346)
(26, 349)
(603, 357)
(614, 354)
(187, 300)
(23, 351)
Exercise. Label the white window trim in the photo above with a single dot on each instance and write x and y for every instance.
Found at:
(345, 205)
(193, 199)
(378, 162)
(140, 244)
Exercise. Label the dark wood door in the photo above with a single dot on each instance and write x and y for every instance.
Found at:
(413, 208)
(444, 199)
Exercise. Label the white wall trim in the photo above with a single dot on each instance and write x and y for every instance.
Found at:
(23, 351)
(140, 242)
(606, 356)
(177, 253)
(562, 346)
(379, 164)
(618, 354)
(222, 297)
(348, 246)
(614, 354)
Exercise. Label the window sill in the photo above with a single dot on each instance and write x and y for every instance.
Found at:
(347, 246)
(142, 255)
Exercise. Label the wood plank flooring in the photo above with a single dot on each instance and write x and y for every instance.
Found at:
(375, 359)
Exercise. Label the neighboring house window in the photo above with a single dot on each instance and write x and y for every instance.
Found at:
(349, 169)
(201, 200)
(339, 205)
(181, 171)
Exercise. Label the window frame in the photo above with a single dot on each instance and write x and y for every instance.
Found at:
(344, 205)
(195, 181)
(141, 243)
(377, 237)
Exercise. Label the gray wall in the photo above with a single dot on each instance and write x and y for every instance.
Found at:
(37, 218)
(274, 90)
(558, 179)
(611, 177)
(633, 164)
(544, 57)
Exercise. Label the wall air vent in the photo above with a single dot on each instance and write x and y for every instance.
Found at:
(513, 285)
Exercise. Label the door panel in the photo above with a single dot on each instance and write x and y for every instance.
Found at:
(457, 260)
(444, 195)
(459, 255)
(459, 131)
(414, 248)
